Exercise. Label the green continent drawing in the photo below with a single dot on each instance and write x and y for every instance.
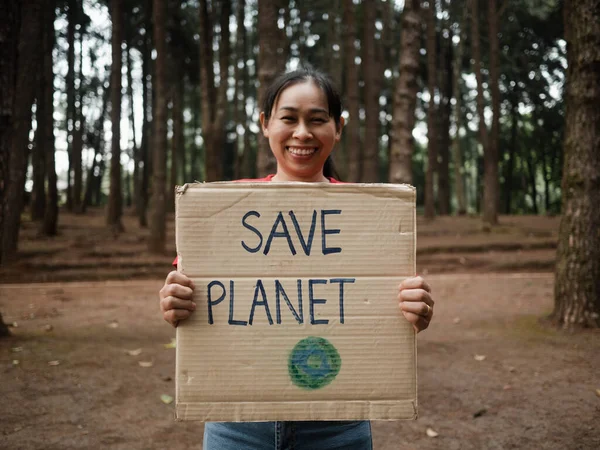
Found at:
(313, 363)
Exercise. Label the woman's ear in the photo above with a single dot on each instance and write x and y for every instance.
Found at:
(339, 128)
(264, 124)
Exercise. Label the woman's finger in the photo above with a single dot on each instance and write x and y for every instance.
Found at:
(415, 283)
(421, 309)
(419, 323)
(169, 303)
(175, 277)
(177, 290)
(416, 295)
(173, 316)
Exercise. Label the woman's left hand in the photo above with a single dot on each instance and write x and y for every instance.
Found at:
(416, 302)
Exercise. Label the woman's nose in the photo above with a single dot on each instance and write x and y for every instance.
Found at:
(302, 131)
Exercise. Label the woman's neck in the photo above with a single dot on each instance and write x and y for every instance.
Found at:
(282, 176)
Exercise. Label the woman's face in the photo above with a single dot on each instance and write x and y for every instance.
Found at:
(301, 133)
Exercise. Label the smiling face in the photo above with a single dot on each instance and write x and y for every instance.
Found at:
(301, 132)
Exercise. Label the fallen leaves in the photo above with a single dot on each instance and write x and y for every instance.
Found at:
(135, 352)
(172, 344)
(479, 413)
(479, 357)
(113, 324)
(53, 363)
(598, 392)
(166, 399)
(431, 433)
(146, 363)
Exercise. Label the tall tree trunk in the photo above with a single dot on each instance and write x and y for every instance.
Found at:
(9, 30)
(239, 100)
(177, 147)
(476, 50)
(135, 152)
(271, 61)
(214, 100)
(249, 156)
(547, 179)
(38, 191)
(457, 153)
(24, 90)
(491, 189)
(146, 154)
(70, 87)
(405, 95)
(96, 140)
(156, 242)
(50, 225)
(531, 171)
(445, 110)
(370, 156)
(508, 177)
(196, 155)
(336, 64)
(115, 195)
(577, 285)
(431, 112)
(78, 128)
(352, 142)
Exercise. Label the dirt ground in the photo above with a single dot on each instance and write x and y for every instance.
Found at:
(89, 365)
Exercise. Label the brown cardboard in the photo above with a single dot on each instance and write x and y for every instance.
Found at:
(227, 371)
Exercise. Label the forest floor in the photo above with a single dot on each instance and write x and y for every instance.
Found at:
(89, 363)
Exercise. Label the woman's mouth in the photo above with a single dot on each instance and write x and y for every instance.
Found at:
(301, 151)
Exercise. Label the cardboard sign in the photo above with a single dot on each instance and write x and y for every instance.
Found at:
(297, 314)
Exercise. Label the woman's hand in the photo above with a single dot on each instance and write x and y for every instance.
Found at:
(416, 303)
(176, 298)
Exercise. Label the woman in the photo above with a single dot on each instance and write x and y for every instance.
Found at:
(302, 119)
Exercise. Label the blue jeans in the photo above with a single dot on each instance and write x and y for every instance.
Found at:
(288, 435)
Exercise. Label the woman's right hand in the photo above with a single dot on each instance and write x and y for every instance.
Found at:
(176, 298)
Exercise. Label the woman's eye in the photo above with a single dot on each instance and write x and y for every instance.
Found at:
(319, 120)
(288, 118)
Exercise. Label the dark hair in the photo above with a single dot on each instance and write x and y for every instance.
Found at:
(323, 82)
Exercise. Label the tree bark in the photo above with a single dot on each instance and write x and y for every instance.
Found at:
(445, 110)
(352, 130)
(146, 154)
(239, 100)
(214, 99)
(370, 155)
(70, 87)
(457, 154)
(9, 30)
(156, 241)
(491, 189)
(177, 147)
(271, 61)
(577, 285)
(508, 177)
(24, 93)
(50, 224)
(115, 195)
(135, 151)
(405, 96)
(38, 191)
(78, 127)
(431, 113)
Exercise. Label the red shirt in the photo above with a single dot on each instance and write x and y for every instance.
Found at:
(265, 179)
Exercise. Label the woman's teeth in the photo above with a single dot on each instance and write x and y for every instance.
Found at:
(301, 151)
